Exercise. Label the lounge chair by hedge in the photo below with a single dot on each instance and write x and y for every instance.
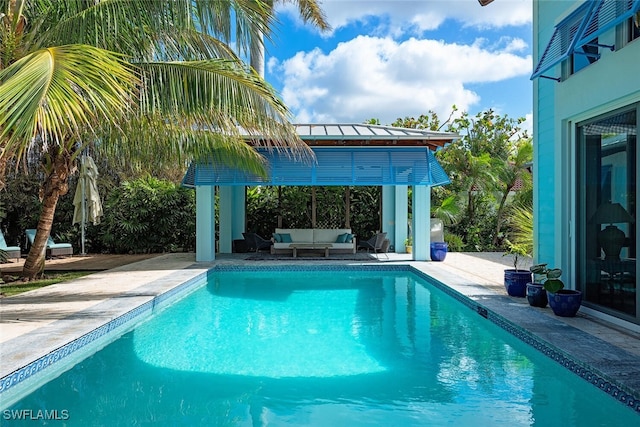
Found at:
(53, 248)
(10, 251)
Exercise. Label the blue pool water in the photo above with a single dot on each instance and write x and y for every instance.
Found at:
(334, 348)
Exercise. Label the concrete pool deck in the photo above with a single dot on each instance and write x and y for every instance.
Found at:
(35, 323)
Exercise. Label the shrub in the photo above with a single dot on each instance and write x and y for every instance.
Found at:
(149, 215)
(454, 242)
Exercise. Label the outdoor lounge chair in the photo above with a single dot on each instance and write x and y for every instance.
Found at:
(375, 244)
(10, 251)
(53, 249)
(255, 242)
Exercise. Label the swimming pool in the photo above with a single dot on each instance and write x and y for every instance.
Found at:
(321, 348)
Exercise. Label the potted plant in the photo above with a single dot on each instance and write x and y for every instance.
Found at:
(536, 293)
(515, 279)
(408, 244)
(563, 302)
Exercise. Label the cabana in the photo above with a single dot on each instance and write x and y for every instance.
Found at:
(346, 155)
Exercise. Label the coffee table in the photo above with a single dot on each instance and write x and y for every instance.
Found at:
(310, 246)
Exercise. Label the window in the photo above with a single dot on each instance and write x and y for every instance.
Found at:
(584, 56)
(633, 28)
(606, 213)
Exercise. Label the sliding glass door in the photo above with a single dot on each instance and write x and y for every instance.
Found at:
(606, 213)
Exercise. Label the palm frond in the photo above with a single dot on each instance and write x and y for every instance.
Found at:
(521, 221)
(148, 143)
(220, 96)
(143, 29)
(60, 91)
(311, 12)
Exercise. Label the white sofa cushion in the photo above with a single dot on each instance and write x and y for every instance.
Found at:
(318, 235)
(298, 235)
(328, 235)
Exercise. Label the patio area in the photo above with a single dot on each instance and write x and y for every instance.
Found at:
(36, 323)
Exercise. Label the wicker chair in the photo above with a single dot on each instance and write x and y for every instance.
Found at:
(374, 244)
(255, 242)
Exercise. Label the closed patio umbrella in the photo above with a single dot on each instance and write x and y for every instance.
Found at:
(87, 200)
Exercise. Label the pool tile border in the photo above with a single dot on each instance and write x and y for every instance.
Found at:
(39, 365)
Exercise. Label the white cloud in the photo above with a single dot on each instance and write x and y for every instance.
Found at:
(372, 77)
(397, 17)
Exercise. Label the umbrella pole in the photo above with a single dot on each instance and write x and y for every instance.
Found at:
(84, 209)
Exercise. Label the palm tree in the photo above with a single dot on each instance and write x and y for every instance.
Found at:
(510, 173)
(310, 12)
(147, 82)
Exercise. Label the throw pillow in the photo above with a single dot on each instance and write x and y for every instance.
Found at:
(342, 238)
(286, 238)
(277, 238)
(349, 238)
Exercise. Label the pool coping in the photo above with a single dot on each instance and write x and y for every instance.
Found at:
(611, 369)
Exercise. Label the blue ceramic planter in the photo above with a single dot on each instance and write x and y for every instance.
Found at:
(536, 295)
(438, 251)
(565, 302)
(515, 282)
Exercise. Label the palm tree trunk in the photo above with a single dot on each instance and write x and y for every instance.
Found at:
(55, 185)
(500, 214)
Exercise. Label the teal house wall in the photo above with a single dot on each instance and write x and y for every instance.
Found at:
(605, 86)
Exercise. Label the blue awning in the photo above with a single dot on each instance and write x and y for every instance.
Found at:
(606, 14)
(333, 166)
(564, 38)
(590, 20)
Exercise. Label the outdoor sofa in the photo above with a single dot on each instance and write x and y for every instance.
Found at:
(340, 239)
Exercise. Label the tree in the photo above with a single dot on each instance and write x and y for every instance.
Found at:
(146, 82)
(478, 161)
(310, 12)
(428, 121)
(510, 173)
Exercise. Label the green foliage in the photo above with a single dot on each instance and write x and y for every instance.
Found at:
(365, 211)
(149, 215)
(429, 121)
(539, 272)
(262, 210)
(448, 210)
(476, 230)
(21, 206)
(15, 288)
(517, 252)
(553, 283)
(294, 204)
(520, 219)
(454, 242)
(488, 159)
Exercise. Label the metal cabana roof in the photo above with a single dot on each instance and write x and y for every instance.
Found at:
(346, 154)
(370, 135)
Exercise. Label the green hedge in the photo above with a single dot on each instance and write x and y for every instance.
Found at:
(149, 215)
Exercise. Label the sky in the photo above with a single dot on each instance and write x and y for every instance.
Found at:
(389, 59)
